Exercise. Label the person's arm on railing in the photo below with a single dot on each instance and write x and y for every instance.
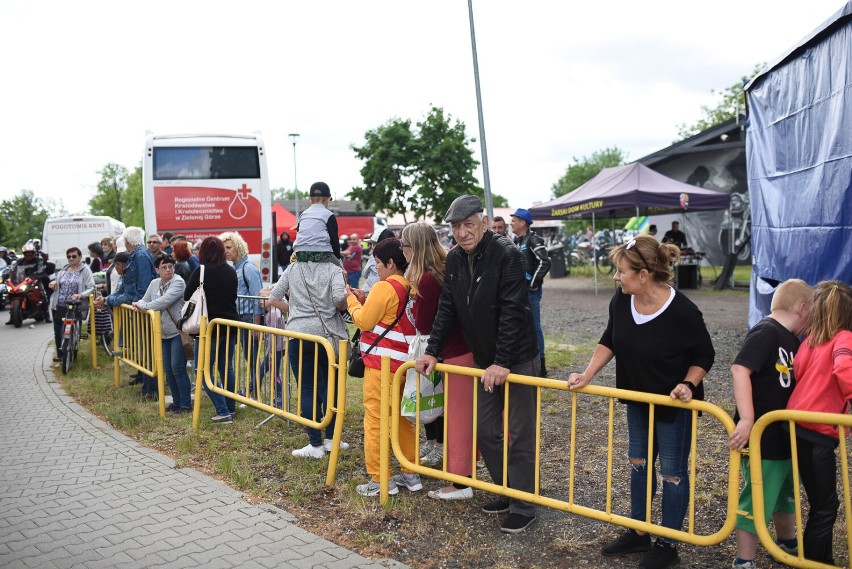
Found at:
(600, 358)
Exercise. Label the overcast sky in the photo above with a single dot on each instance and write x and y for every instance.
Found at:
(83, 81)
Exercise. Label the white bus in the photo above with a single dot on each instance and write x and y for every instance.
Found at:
(202, 185)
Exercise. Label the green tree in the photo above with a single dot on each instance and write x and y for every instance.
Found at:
(24, 215)
(134, 210)
(287, 194)
(419, 171)
(586, 168)
(731, 104)
(111, 196)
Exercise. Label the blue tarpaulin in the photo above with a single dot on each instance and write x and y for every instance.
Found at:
(799, 157)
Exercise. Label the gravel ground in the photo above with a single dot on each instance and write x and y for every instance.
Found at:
(460, 535)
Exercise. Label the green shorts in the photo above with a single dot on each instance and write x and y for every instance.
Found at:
(777, 492)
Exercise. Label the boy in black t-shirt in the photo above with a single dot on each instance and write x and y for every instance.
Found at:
(763, 381)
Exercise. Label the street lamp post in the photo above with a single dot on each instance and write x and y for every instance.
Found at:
(294, 137)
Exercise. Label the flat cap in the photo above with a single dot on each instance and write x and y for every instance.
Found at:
(462, 208)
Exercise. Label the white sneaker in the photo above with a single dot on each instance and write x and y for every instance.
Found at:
(326, 444)
(372, 488)
(410, 481)
(310, 452)
(454, 494)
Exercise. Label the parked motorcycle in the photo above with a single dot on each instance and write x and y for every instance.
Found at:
(27, 297)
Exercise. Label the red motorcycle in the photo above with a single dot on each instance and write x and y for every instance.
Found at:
(27, 298)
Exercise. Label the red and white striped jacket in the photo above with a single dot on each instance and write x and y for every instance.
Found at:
(396, 341)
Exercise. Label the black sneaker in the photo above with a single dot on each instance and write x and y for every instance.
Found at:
(172, 408)
(629, 542)
(516, 523)
(498, 506)
(660, 556)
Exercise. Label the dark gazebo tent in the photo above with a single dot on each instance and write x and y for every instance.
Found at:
(632, 189)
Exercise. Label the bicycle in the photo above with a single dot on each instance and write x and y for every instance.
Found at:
(71, 324)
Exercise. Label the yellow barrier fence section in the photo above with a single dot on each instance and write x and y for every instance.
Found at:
(842, 422)
(257, 358)
(583, 467)
(138, 343)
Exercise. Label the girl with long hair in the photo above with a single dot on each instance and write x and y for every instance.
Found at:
(426, 264)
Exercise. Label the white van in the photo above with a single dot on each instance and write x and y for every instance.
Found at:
(60, 233)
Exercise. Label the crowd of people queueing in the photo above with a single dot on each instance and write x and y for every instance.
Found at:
(476, 306)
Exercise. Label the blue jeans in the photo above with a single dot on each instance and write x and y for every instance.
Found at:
(226, 342)
(58, 330)
(535, 305)
(353, 279)
(174, 364)
(672, 444)
(307, 409)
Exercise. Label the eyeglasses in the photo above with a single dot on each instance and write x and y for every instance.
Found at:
(164, 267)
(71, 256)
(630, 245)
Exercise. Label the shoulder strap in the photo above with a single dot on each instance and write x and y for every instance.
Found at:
(403, 302)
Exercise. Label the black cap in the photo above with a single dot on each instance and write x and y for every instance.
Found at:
(320, 190)
(462, 208)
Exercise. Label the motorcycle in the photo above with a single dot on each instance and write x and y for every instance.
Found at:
(26, 296)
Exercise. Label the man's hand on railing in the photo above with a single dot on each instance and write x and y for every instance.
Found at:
(739, 437)
(494, 376)
(425, 364)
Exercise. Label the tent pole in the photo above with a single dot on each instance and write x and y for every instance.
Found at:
(595, 251)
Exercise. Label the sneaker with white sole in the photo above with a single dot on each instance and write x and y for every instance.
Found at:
(372, 488)
(454, 494)
(326, 444)
(310, 452)
(410, 481)
(743, 565)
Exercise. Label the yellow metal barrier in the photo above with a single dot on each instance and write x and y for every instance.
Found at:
(138, 343)
(393, 386)
(842, 422)
(250, 349)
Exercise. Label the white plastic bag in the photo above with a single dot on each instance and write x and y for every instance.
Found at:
(431, 388)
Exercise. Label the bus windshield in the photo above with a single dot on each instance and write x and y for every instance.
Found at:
(206, 163)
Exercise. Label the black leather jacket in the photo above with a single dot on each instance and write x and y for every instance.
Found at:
(536, 260)
(485, 292)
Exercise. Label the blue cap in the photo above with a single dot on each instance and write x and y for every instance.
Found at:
(523, 214)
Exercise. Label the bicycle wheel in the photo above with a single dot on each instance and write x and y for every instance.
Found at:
(75, 334)
(106, 343)
(67, 357)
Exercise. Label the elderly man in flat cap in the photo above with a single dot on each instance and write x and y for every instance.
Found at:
(485, 293)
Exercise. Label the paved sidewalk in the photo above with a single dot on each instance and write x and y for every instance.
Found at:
(76, 493)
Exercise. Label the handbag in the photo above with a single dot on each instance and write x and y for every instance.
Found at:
(430, 388)
(185, 339)
(194, 309)
(356, 358)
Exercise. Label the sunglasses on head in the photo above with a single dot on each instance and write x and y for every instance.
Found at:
(631, 245)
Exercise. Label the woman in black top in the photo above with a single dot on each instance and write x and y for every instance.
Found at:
(660, 345)
(220, 290)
